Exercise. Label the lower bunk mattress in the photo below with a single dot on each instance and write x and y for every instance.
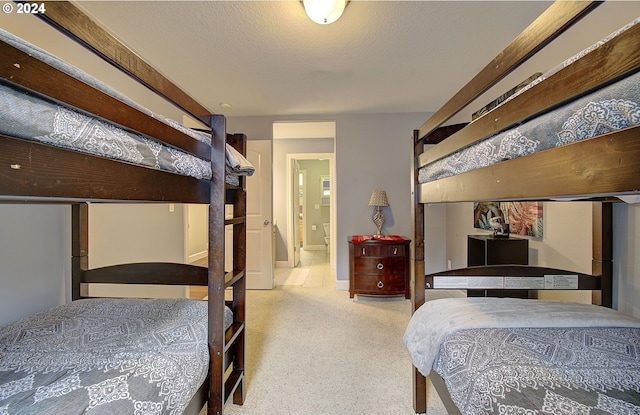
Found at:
(519, 356)
(106, 356)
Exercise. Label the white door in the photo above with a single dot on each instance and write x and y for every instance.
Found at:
(260, 273)
(295, 186)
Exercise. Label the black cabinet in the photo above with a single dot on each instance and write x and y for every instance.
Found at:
(487, 250)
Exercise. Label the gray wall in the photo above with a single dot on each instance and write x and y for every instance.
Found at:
(373, 151)
(35, 252)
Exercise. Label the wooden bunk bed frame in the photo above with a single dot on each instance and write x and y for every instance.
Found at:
(37, 173)
(597, 169)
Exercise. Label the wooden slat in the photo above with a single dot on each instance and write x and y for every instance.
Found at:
(29, 169)
(620, 56)
(160, 273)
(19, 68)
(79, 247)
(606, 164)
(69, 19)
(555, 20)
(602, 252)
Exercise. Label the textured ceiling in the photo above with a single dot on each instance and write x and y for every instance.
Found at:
(268, 58)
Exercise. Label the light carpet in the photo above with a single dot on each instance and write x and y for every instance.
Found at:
(291, 276)
(312, 351)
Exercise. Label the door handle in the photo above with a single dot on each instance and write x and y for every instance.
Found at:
(266, 222)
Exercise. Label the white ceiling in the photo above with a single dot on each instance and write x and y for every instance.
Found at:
(268, 58)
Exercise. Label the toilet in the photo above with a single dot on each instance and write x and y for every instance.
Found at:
(327, 232)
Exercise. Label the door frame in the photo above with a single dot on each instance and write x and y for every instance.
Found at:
(332, 207)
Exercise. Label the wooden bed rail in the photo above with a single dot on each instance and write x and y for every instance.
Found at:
(597, 68)
(69, 19)
(19, 69)
(26, 172)
(601, 165)
(549, 25)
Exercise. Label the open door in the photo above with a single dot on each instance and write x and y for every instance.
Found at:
(295, 200)
(260, 272)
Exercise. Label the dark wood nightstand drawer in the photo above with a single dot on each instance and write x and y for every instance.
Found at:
(380, 265)
(370, 250)
(379, 285)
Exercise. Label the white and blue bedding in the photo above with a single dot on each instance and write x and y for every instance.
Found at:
(613, 107)
(23, 115)
(106, 356)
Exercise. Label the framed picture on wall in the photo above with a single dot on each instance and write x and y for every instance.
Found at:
(524, 218)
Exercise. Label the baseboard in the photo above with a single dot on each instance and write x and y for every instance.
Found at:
(342, 285)
(198, 256)
(282, 264)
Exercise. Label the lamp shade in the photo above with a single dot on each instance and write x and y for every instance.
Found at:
(324, 11)
(378, 198)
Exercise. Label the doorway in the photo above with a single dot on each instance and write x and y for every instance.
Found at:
(299, 140)
(310, 207)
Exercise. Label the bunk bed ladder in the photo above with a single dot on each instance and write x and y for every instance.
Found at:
(224, 345)
(236, 279)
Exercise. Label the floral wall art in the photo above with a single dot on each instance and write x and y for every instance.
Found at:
(524, 218)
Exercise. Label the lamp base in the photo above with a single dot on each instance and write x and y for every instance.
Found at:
(378, 220)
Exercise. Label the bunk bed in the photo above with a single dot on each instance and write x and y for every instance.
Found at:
(594, 158)
(94, 145)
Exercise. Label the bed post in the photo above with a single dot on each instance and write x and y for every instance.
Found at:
(216, 267)
(417, 277)
(602, 246)
(238, 302)
(79, 247)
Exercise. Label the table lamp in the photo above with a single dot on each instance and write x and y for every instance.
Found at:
(378, 199)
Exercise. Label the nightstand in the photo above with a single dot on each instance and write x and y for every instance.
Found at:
(379, 266)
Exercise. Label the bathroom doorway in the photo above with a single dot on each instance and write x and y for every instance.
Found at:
(314, 204)
(311, 203)
(295, 141)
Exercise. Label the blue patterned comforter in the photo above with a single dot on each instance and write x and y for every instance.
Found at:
(106, 356)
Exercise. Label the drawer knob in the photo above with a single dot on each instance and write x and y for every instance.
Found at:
(395, 251)
(380, 284)
(380, 266)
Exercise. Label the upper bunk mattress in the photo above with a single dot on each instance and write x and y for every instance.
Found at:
(611, 108)
(27, 116)
(106, 356)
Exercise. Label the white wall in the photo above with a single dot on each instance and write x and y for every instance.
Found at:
(35, 252)
(197, 231)
(123, 233)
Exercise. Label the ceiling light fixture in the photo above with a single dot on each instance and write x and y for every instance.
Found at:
(324, 11)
